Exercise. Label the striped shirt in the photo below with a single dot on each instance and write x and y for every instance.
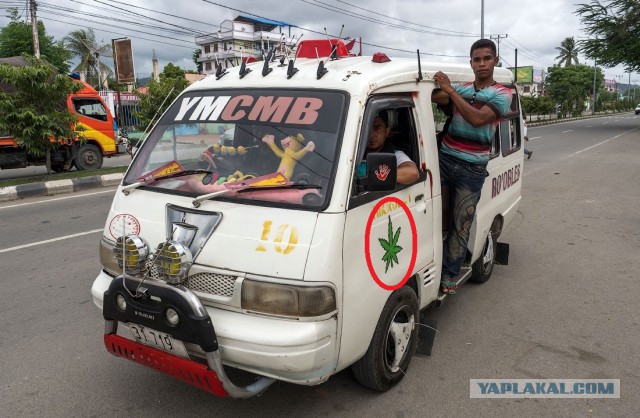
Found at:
(466, 142)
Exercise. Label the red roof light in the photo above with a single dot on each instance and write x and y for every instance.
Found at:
(380, 57)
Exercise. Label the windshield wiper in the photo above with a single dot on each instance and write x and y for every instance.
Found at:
(300, 186)
(248, 188)
(151, 179)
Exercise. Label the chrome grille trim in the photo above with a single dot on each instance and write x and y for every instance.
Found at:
(212, 283)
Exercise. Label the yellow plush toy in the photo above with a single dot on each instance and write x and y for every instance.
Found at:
(291, 153)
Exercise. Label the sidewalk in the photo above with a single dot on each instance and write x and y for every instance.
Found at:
(59, 186)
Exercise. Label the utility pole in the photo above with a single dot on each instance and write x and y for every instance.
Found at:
(497, 38)
(34, 29)
(595, 71)
(482, 19)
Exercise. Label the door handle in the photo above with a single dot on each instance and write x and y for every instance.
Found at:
(419, 197)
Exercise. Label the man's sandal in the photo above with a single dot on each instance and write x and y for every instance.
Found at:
(448, 287)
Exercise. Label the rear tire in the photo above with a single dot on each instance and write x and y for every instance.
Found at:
(393, 344)
(88, 157)
(483, 267)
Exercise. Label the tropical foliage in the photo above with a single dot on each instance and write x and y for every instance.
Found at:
(568, 52)
(33, 107)
(83, 45)
(613, 28)
(17, 38)
(572, 86)
(160, 95)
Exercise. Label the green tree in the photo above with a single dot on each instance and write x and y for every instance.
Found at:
(572, 86)
(568, 52)
(196, 56)
(17, 38)
(33, 107)
(613, 27)
(82, 44)
(160, 95)
(172, 71)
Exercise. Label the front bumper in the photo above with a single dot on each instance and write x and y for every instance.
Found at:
(301, 352)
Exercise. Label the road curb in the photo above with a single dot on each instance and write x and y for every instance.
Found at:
(58, 186)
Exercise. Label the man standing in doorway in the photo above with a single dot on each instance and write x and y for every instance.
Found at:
(464, 153)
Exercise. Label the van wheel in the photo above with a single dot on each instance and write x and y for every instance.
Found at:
(393, 344)
(483, 267)
(88, 157)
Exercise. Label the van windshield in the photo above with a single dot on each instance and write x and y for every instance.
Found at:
(246, 141)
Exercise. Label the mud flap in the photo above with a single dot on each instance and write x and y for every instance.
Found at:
(502, 253)
(426, 334)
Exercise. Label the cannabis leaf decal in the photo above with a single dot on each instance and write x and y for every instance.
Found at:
(390, 247)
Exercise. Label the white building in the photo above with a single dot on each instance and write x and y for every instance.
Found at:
(241, 38)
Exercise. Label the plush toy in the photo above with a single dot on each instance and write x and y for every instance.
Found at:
(291, 153)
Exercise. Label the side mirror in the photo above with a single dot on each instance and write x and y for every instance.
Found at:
(381, 172)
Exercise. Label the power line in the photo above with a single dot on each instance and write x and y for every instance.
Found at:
(373, 20)
(401, 20)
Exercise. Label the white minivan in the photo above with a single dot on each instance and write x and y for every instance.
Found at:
(283, 252)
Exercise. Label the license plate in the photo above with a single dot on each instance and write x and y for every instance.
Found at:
(157, 339)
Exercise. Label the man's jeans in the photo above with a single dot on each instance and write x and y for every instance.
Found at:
(464, 181)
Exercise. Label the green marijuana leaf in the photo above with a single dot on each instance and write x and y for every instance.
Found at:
(390, 247)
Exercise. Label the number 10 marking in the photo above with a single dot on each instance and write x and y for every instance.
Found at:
(277, 241)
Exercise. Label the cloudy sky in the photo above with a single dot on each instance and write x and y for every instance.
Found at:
(445, 29)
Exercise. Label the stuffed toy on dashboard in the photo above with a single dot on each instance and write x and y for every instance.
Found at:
(291, 153)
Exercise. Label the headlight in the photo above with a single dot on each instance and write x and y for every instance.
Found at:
(173, 261)
(131, 252)
(281, 299)
(107, 258)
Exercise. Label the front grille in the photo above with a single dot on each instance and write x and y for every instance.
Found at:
(212, 283)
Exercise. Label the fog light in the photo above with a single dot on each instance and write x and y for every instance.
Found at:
(122, 304)
(172, 317)
(173, 261)
(131, 252)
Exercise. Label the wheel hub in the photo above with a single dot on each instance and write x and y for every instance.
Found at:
(488, 253)
(399, 337)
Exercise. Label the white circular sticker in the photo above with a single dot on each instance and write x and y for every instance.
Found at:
(124, 224)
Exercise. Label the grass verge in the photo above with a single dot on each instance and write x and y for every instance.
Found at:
(62, 176)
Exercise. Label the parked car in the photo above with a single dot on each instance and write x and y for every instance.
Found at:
(638, 109)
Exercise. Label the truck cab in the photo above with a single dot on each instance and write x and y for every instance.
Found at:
(251, 231)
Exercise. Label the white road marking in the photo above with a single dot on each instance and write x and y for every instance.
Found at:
(535, 137)
(564, 132)
(33, 244)
(75, 196)
(600, 143)
(604, 123)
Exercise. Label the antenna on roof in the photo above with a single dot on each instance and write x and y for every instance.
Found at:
(266, 70)
(291, 70)
(220, 72)
(419, 78)
(285, 56)
(243, 67)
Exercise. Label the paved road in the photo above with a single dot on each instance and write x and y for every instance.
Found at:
(38, 170)
(565, 307)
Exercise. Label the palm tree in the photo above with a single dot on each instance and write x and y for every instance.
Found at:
(82, 44)
(568, 52)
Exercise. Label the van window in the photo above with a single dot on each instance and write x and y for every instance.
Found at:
(92, 108)
(508, 133)
(402, 137)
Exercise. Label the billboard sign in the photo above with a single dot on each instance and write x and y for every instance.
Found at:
(524, 74)
(123, 61)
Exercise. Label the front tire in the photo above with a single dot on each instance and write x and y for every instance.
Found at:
(88, 157)
(393, 344)
(483, 267)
